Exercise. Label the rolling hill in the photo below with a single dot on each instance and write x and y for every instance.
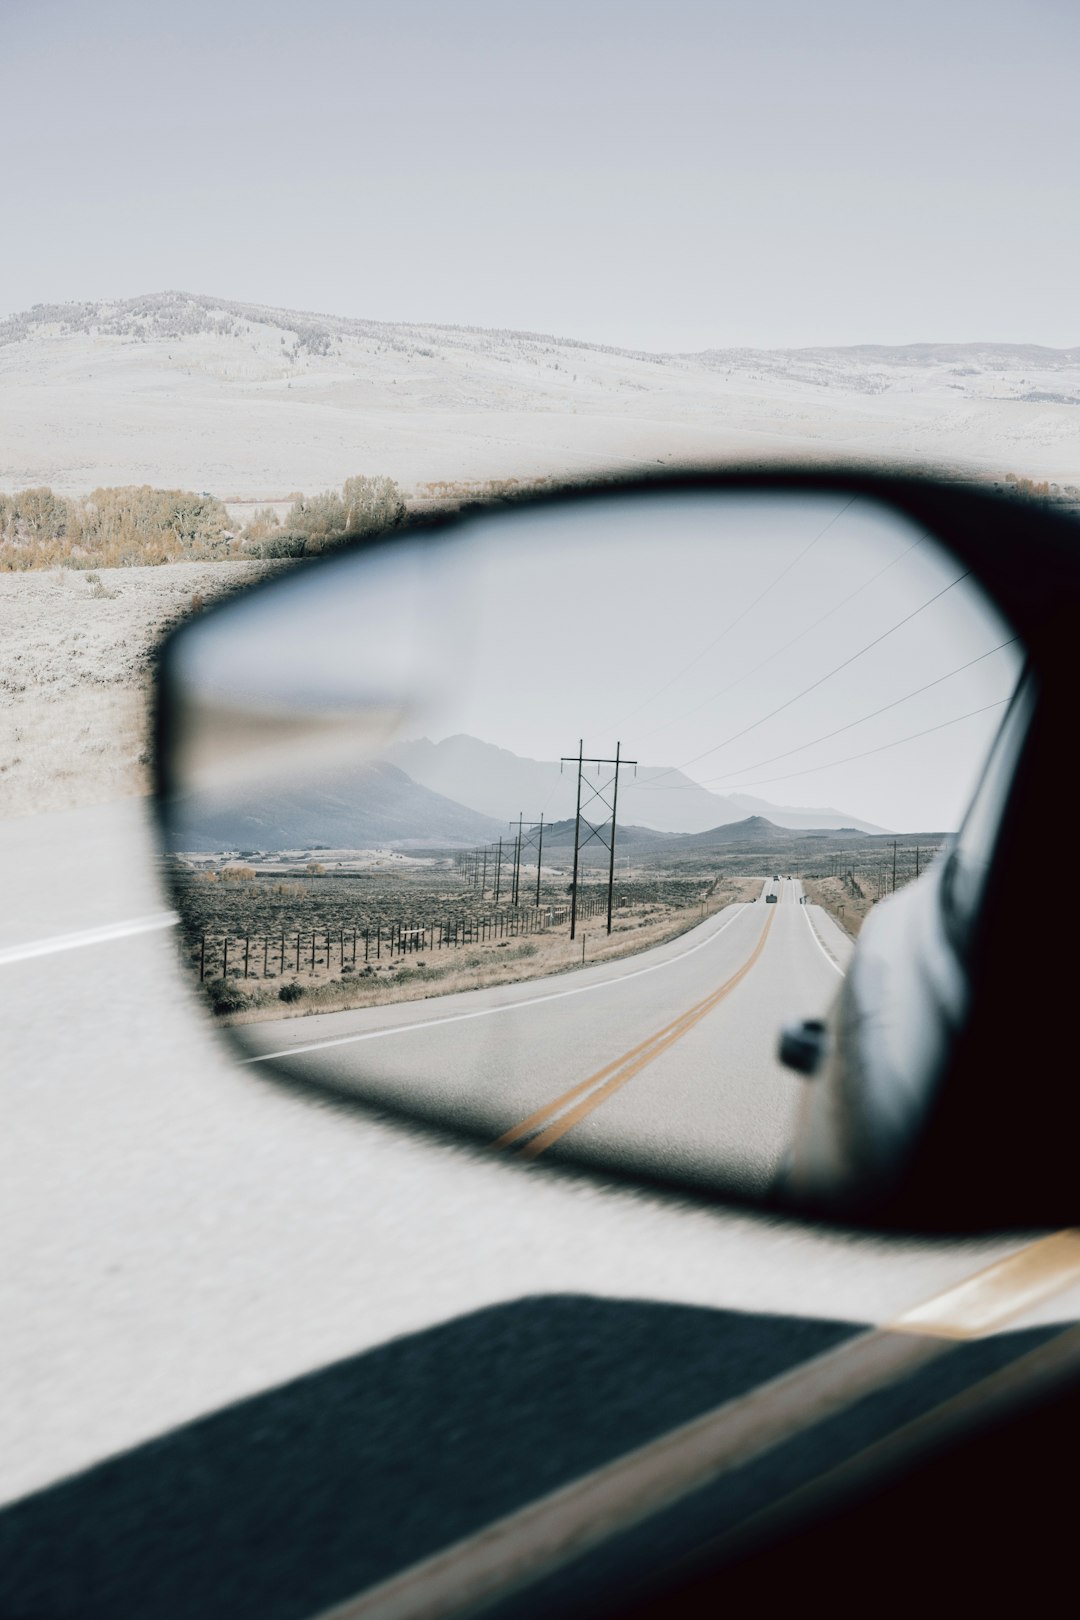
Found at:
(368, 806)
(250, 403)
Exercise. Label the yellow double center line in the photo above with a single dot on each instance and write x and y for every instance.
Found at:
(551, 1122)
(552, 1531)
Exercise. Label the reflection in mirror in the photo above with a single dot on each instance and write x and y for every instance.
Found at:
(540, 826)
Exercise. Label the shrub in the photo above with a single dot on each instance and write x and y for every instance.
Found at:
(364, 505)
(290, 992)
(225, 997)
(137, 524)
(286, 545)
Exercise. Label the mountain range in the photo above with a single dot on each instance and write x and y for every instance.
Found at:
(370, 806)
(645, 841)
(383, 805)
(504, 785)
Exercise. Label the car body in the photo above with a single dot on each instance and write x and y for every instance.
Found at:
(934, 1023)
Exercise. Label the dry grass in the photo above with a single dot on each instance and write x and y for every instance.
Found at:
(76, 653)
(88, 747)
(477, 967)
(849, 910)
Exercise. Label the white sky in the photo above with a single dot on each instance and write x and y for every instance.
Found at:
(670, 625)
(666, 176)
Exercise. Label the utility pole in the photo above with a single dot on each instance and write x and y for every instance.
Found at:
(577, 836)
(603, 831)
(916, 860)
(517, 861)
(531, 833)
(611, 857)
(539, 854)
(498, 869)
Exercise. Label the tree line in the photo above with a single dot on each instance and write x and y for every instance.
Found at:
(136, 525)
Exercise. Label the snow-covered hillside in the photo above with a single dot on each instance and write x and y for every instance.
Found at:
(252, 403)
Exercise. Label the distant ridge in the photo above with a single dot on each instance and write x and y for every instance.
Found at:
(250, 401)
(368, 806)
(503, 784)
(751, 830)
(174, 313)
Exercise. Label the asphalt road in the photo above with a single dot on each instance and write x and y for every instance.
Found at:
(662, 1064)
(251, 1329)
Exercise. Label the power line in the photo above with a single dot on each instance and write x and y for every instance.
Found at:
(739, 617)
(811, 770)
(814, 684)
(724, 690)
(761, 763)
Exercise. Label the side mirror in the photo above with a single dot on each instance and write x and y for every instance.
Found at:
(467, 823)
(802, 1045)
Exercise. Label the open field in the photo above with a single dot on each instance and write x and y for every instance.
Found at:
(203, 393)
(411, 940)
(285, 936)
(850, 869)
(76, 658)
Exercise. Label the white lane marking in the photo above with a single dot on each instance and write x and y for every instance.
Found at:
(88, 936)
(814, 936)
(506, 1006)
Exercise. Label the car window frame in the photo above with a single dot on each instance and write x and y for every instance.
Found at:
(965, 881)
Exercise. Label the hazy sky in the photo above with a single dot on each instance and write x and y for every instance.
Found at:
(669, 176)
(809, 651)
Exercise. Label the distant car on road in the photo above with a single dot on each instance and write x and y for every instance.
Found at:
(770, 899)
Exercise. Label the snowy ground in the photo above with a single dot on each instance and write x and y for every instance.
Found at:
(76, 652)
(253, 404)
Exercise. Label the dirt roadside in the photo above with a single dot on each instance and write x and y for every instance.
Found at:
(474, 967)
(76, 661)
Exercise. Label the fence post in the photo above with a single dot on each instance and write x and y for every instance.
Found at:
(202, 959)
(225, 959)
(298, 953)
(247, 953)
(266, 952)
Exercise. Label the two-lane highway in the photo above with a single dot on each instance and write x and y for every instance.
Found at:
(663, 1063)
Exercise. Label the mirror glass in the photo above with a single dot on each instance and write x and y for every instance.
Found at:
(541, 825)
